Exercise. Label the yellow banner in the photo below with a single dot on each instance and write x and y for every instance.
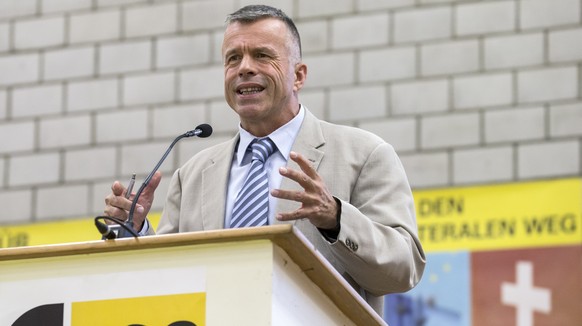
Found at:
(531, 214)
(42, 233)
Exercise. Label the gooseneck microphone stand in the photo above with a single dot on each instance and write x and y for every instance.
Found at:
(124, 229)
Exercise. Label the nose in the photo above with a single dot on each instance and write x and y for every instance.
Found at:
(246, 67)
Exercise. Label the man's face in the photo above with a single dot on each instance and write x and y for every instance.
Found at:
(262, 73)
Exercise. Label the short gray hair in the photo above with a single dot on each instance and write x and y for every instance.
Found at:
(253, 13)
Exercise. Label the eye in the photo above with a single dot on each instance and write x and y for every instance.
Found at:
(232, 58)
(261, 55)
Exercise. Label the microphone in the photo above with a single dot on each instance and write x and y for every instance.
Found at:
(204, 130)
(125, 229)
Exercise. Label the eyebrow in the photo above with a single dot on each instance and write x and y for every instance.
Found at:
(264, 49)
(257, 49)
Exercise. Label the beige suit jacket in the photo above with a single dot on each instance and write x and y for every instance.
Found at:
(377, 250)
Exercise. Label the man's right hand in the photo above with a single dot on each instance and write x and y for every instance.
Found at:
(116, 205)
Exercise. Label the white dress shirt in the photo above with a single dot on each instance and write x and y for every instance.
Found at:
(284, 137)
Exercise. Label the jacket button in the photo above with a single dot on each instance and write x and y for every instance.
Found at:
(353, 246)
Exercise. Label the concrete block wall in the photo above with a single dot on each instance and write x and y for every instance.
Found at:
(468, 92)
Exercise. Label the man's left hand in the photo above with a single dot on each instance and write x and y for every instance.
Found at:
(317, 204)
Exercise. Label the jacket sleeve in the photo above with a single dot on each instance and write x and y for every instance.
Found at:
(378, 242)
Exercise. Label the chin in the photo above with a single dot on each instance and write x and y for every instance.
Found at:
(250, 111)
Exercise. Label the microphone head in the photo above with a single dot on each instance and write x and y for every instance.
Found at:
(205, 130)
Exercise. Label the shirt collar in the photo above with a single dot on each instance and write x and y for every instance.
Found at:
(284, 137)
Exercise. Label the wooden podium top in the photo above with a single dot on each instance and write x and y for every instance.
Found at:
(285, 236)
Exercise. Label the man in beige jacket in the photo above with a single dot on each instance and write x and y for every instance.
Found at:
(343, 187)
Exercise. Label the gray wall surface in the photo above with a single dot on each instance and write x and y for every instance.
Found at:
(468, 92)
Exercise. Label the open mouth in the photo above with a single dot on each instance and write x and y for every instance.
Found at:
(250, 90)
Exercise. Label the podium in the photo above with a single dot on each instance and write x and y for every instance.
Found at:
(253, 276)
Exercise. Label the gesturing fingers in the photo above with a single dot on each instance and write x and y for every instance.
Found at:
(320, 210)
(317, 203)
(305, 165)
(298, 196)
(307, 177)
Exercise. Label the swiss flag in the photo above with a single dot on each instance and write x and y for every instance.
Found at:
(527, 287)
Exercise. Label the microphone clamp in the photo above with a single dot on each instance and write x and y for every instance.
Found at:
(112, 231)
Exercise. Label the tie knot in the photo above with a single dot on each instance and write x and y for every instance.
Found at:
(262, 149)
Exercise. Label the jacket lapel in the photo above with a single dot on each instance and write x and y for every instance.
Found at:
(214, 186)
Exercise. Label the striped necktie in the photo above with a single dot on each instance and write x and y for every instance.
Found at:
(251, 207)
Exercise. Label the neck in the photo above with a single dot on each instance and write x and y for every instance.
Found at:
(264, 127)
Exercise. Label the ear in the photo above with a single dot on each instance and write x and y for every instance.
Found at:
(300, 76)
